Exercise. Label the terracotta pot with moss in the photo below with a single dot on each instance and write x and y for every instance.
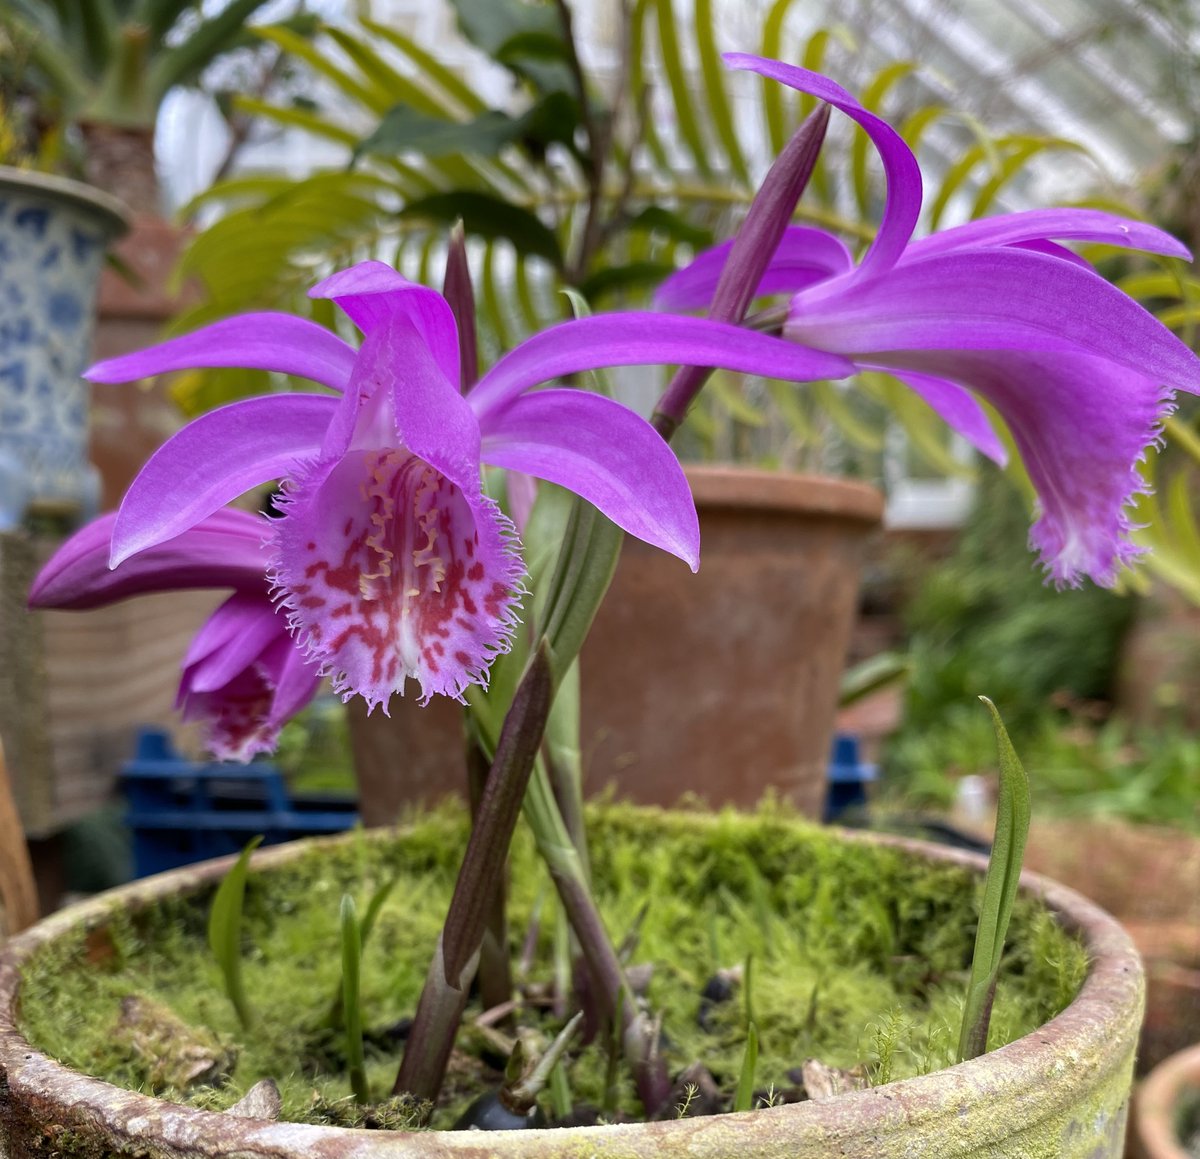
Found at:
(858, 948)
(758, 636)
(1166, 1122)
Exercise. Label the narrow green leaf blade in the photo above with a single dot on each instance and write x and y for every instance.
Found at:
(999, 892)
(743, 1099)
(225, 930)
(351, 1000)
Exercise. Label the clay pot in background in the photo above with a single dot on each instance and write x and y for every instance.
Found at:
(1149, 879)
(723, 684)
(130, 421)
(1159, 1105)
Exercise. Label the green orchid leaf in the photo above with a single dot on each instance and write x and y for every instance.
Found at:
(491, 218)
(352, 1000)
(293, 117)
(225, 931)
(728, 391)
(743, 1099)
(773, 95)
(389, 86)
(999, 892)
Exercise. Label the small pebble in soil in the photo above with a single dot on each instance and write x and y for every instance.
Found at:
(489, 1113)
(719, 988)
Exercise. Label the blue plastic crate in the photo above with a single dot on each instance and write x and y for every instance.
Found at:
(848, 777)
(181, 811)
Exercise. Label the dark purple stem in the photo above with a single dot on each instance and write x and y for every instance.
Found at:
(444, 997)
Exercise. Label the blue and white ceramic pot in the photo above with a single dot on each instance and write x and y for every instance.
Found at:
(53, 235)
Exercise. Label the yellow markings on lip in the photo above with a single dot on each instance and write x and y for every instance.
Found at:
(390, 475)
(378, 487)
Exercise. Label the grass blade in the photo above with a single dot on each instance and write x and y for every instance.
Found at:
(351, 1000)
(999, 893)
(743, 1099)
(225, 931)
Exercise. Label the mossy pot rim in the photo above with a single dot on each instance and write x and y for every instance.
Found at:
(1069, 1058)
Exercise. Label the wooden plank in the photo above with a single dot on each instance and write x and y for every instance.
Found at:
(18, 893)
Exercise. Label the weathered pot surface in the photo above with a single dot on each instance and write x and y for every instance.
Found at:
(1154, 1133)
(1059, 1093)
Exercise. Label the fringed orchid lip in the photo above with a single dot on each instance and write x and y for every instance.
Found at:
(391, 572)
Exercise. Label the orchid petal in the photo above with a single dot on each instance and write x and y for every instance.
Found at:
(634, 339)
(432, 419)
(805, 255)
(399, 396)
(371, 292)
(213, 460)
(1000, 299)
(232, 638)
(296, 683)
(390, 571)
(1086, 225)
(1080, 423)
(957, 407)
(245, 678)
(1054, 250)
(521, 492)
(900, 166)
(222, 551)
(267, 341)
(606, 453)
(231, 677)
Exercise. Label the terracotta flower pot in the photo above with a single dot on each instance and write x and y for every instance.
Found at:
(1146, 877)
(1058, 1093)
(723, 684)
(1159, 1105)
(129, 423)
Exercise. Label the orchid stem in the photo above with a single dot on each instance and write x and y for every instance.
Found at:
(495, 968)
(444, 996)
(612, 989)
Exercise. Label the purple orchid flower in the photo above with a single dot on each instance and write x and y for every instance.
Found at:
(390, 559)
(243, 676)
(1081, 374)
